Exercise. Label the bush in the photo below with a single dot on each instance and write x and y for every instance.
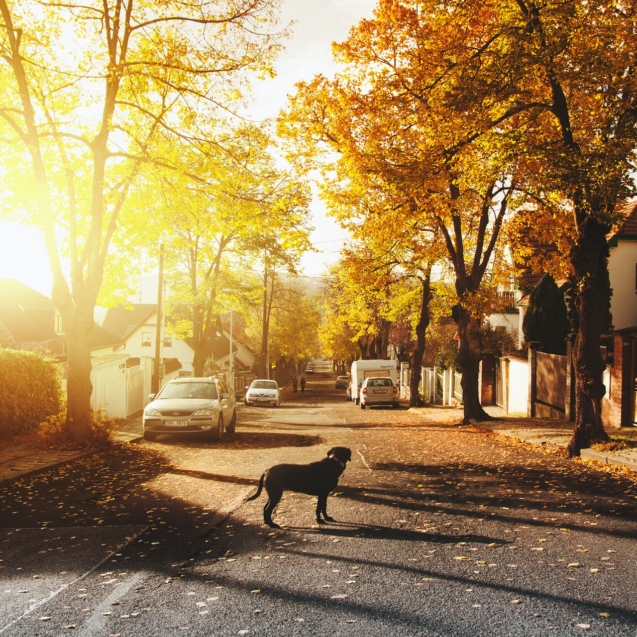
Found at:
(53, 432)
(29, 391)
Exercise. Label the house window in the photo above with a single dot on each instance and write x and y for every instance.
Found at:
(57, 318)
(146, 336)
(168, 341)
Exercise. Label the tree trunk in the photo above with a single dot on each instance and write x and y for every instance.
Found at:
(590, 262)
(416, 359)
(77, 317)
(469, 356)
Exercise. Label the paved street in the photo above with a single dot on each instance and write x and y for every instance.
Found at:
(441, 530)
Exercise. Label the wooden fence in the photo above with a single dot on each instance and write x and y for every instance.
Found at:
(551, 379)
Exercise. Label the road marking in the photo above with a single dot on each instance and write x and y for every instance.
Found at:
(64, 587)
(363, 459)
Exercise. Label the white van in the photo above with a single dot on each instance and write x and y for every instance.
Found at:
(365, 369)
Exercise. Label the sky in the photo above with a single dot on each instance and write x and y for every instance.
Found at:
(318, 23)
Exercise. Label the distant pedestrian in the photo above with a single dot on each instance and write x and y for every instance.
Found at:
(302, 384)
(295, 383)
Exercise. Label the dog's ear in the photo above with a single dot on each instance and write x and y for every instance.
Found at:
(349, 455)
(330, 452)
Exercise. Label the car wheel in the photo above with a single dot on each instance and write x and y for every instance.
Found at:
(216, 433)
(396, 405)
(362, 405)
(247, 404)
(149, 435)
(232, 425)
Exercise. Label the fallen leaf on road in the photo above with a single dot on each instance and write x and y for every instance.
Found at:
(573, 565)
(515, 601)
(256, 591)
(584, 626)
(594, 570)
(338, 596)
(462, 558)
(44, 619)
(604, 614)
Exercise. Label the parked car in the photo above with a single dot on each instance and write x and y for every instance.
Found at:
(342, 382)
(379, 391)
(309, 369)
(263, 392)
(203, 406)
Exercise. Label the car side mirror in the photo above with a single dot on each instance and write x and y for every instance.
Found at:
(151, 396)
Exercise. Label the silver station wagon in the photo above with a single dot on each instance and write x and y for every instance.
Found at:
(203, 406)
(379, 391)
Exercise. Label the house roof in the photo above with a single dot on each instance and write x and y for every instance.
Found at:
(104, 338)
(121, 321)
(628, 228)
(27, 315)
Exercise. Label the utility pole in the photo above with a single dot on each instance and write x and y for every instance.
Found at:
(160, 289)
(231, 370)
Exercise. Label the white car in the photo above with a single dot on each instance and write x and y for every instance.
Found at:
(263, 392)
(203, 406)
(379, 391)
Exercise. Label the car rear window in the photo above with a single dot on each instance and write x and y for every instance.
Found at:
(189, 390)
(263, 384)
(379, 382)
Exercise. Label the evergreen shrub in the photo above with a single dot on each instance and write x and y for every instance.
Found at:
(29, 391)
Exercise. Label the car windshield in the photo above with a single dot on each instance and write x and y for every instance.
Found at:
(263, 384)
(379, 382)
(343, 378)
(189, 390)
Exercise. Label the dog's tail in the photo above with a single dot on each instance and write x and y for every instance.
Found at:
(258, 493)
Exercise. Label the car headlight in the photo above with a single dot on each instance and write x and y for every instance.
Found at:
(152, 412)
(204, 412)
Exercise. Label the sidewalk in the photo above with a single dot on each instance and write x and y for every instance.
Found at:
(20, 460)
(537, 432)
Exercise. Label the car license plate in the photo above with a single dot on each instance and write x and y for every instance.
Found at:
(176, 423)
(380, 391)
(263, 399)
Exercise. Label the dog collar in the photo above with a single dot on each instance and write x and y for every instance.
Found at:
(333, 457)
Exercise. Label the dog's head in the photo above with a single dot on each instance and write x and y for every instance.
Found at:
(343, 454)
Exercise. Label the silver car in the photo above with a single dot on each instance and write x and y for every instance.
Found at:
(379, 391)
(263, 392)
(203, 406)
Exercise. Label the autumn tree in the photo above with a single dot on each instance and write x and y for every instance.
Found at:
(389, 142)
(559, 79)
(86, 86)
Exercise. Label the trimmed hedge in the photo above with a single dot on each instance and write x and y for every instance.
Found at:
(29, 391)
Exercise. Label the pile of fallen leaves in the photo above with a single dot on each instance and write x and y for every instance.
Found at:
(617, 443)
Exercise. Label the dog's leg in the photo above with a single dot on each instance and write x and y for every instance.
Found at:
(268, 509)
(321, 508)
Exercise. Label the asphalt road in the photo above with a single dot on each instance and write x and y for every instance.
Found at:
(441, 531)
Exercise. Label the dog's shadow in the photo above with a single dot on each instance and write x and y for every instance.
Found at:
(376, 532)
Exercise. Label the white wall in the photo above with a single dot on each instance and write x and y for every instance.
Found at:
(621, 268)
(509, 321)
(518, 386)
(109, 386)
(179, 349)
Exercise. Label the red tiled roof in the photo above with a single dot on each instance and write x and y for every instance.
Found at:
(629, 226)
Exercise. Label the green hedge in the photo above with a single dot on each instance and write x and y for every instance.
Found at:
(29, 390)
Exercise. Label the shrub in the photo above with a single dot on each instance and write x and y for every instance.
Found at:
(53, 432)
(29, 391)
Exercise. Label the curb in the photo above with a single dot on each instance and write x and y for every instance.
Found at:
(606, 458)
(5, 482)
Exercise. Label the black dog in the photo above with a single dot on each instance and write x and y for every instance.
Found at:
(316, 478)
